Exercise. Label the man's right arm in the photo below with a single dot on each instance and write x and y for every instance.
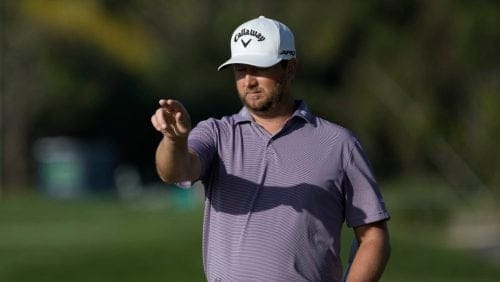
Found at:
(174, 162)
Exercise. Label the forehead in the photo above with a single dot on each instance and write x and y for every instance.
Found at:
(255, 68)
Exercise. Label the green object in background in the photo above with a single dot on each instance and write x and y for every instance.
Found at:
(62, 173)
(184, 199)
(72, 168)
(61, 167)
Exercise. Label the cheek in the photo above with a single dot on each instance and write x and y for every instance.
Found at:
(239, 83)
(240, 86)
(269, 84)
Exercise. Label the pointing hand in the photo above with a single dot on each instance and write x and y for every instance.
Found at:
(171, 119)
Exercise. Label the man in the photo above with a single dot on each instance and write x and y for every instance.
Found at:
(279, 181)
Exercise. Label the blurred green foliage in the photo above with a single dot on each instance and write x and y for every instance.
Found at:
(417, 81)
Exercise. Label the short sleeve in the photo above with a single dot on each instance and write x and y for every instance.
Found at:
(202, 141)
(364, 201)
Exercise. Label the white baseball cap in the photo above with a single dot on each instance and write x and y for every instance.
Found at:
(261, 42)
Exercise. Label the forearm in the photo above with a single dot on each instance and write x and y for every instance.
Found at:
(369, 263)
(174, 162)
(371, 257)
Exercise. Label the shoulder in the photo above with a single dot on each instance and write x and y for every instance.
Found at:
(222, 125)
(321, 125)
(224, 121)
(334, 130)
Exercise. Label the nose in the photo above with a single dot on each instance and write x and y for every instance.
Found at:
(250, 80)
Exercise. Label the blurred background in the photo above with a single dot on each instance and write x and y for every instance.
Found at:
(417, 81)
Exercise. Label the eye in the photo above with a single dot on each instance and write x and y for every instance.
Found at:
(238, 69)
(266, 69)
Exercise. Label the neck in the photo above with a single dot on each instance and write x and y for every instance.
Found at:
(274, 119)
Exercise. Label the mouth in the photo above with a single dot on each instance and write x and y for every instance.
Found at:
(253, 94)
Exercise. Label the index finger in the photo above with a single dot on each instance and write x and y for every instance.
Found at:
(172, 105)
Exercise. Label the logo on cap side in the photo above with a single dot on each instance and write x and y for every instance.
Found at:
(287, 52)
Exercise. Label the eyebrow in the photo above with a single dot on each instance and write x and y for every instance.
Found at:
(250, 66)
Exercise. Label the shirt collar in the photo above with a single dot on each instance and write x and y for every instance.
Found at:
(301, 111)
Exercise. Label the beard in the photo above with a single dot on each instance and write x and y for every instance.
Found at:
(258, 101)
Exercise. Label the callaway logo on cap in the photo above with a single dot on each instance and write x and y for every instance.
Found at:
(261, 42)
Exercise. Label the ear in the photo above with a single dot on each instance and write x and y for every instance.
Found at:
(291, 69)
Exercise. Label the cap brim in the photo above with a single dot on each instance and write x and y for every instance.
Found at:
(252, 60)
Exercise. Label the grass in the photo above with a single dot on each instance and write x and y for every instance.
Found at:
(422, 211)
(43, 240)
(155, 240)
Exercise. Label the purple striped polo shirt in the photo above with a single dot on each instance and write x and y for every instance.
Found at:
(275, 204)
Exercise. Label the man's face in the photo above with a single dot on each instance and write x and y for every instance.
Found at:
(261, 89)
